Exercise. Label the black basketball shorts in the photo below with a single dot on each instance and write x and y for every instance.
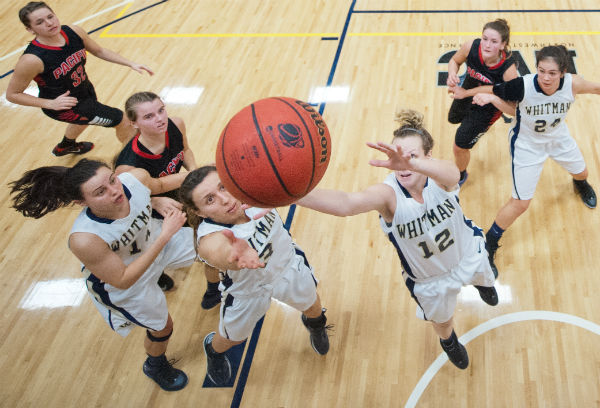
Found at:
(474, 121)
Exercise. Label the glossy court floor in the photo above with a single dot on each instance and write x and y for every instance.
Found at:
(357, 62)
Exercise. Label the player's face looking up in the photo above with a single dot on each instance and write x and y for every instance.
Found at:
(491, 45)
(213, 201)
(412, 146)
(43, 22)
(152, 117)
(104, 194)
(549, 75)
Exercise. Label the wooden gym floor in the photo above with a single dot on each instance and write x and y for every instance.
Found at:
(357, 61)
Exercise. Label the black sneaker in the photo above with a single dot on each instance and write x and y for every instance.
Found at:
(488, 294)
(491, 250)
(463, 179)
(167, 377)
(210, 299)
(76, 148)
(218, 367)
(165, 282)
(457, 353)
(319, 338)
(586, 192)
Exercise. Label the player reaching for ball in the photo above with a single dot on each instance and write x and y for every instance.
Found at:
(285, 140)
(440, 250)
(258, 261)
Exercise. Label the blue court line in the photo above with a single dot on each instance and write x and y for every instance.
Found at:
(473, 11)
(105, 25)
(338, 52)
(127, 16)
(239, 391)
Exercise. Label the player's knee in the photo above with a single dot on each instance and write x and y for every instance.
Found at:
(156, 338)
(520, 206)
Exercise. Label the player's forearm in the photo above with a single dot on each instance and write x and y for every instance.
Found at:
(332, 202)
(444, 172)
(21, 98)
(167, 183)
(114, 57)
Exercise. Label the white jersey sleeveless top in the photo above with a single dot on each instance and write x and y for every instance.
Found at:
(541, 117)
(269, 238)
(128, 237)
(430, 238)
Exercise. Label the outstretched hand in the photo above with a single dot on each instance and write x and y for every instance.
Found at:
(397, 159)
(141, 68)
(242, 255)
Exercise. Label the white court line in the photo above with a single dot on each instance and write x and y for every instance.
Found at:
(10, 54)
(492, 324)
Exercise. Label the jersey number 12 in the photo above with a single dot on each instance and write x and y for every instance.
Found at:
(443, 241)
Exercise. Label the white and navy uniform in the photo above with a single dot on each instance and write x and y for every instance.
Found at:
(539, 131)
(440, 250)
(247, 293)
(144, 303)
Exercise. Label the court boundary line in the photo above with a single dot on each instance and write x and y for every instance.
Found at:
(524, 316)
(475, 11)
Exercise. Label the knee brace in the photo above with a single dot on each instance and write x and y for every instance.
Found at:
(158, 339)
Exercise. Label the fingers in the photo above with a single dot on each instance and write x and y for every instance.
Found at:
(175, 216)
(141, 68)
(380, 163)
(383, 147)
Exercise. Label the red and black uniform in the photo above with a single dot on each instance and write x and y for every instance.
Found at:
(170, 161)
(475, 120)
(64, 70)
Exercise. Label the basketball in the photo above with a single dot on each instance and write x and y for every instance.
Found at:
(273, 152)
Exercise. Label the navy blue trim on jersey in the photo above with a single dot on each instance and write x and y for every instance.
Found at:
(538, 88)
(208, 220)
(110, 320)
(410, 284)
(94, 217)
(477, 232)
(227, 281)
(228, 302)
(405, 264)
(405, 191)
(513, 140)
(301, 253)
(104, 298)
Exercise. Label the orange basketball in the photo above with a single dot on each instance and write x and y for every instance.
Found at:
(273, 152)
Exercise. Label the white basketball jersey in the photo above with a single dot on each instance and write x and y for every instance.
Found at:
(539, 116)
(430, 238)
(128, 237)
(269, 238)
